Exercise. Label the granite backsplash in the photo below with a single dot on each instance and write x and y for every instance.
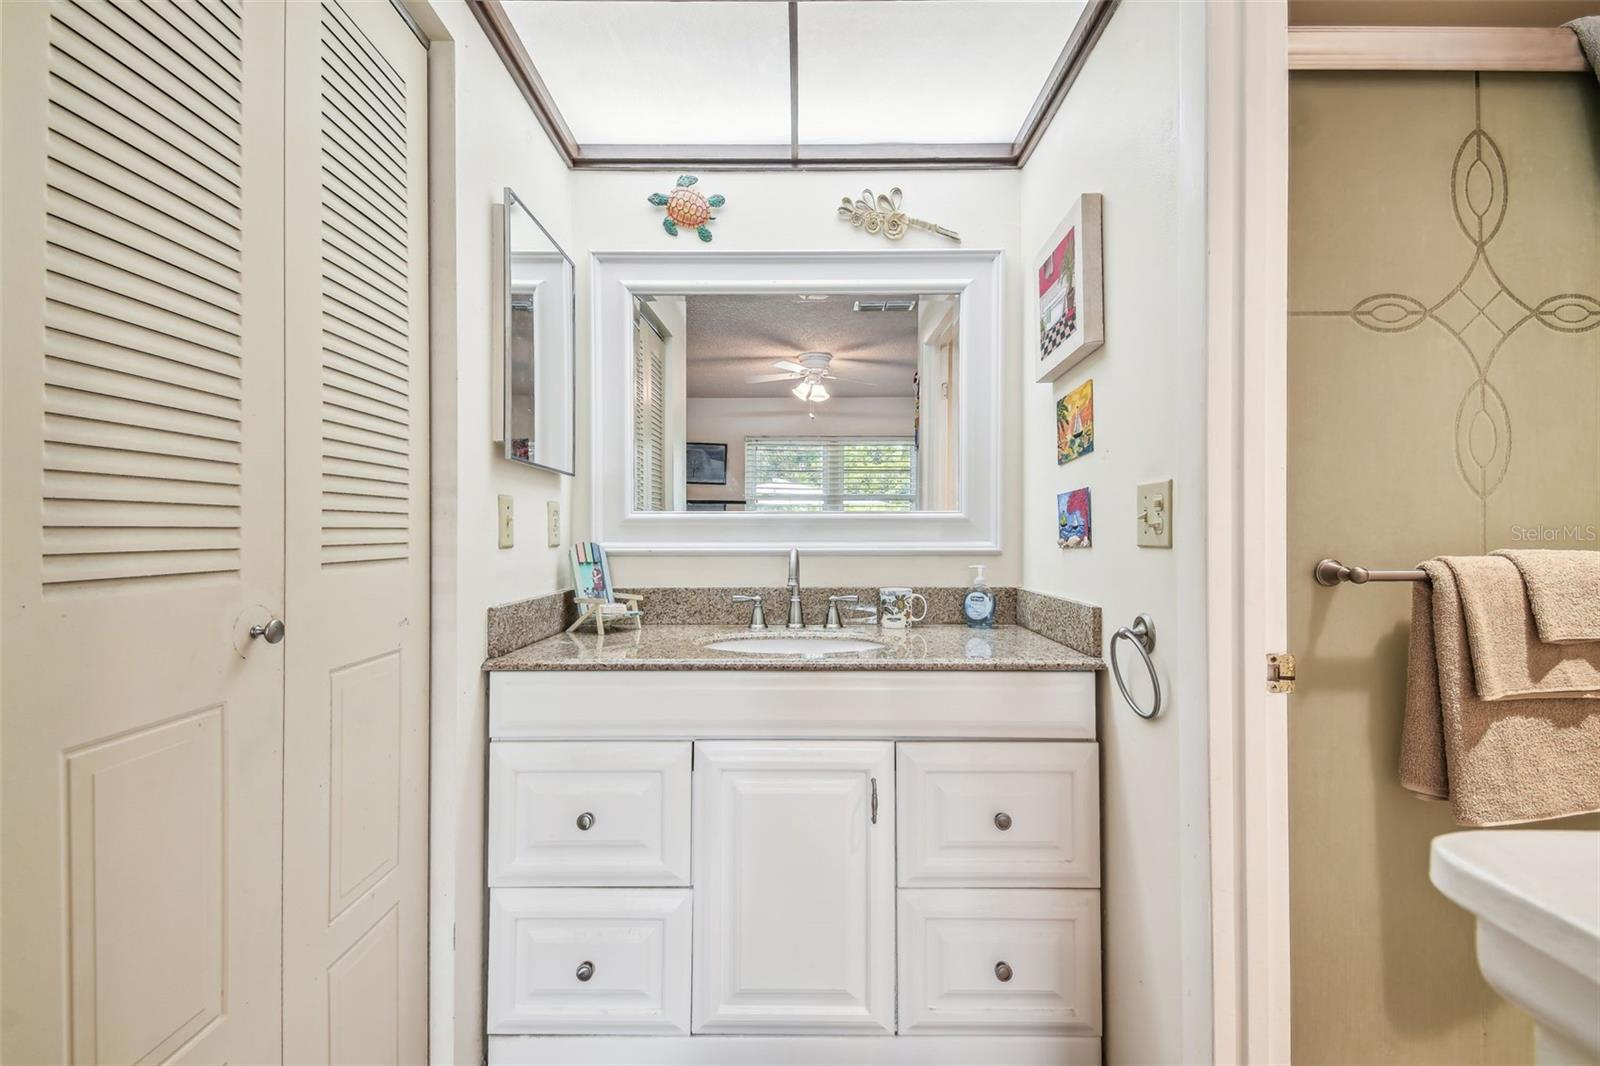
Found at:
(516, 625)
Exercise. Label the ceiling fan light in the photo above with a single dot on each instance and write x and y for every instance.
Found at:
(802, 391)
(819, 392)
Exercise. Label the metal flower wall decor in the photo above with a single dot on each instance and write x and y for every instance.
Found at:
(882, 214)
(687, 207)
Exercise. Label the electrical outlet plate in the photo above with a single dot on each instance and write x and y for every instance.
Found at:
(1154, 514)
(552, 513)
(508, 532)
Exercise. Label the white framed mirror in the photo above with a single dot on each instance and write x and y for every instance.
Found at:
(536, 417)
(841, 401)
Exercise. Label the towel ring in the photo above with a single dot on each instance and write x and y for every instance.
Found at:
(1142, 635)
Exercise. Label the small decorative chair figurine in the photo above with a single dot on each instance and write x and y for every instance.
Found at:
(593, 592)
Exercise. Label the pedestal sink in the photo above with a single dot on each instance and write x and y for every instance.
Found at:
(1536, 895)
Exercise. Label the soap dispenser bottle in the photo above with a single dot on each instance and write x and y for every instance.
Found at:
(979, 604)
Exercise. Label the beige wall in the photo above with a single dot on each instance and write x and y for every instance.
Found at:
(1130, 130)
(796, 211)
(484, 139)
(1391, 461)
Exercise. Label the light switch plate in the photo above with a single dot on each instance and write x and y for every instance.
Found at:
(508, 532)
(552, 514)
(1154, 514)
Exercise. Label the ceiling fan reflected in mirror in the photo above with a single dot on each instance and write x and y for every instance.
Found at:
(809, 371)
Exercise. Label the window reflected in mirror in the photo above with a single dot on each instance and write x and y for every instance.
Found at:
(796, 402)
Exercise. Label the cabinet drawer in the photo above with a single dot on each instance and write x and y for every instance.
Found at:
(1023, 814)
(568, 960)
(985, 960)
(568, 813)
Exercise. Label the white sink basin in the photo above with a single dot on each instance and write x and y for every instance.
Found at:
(1536, 899)
(805, 646)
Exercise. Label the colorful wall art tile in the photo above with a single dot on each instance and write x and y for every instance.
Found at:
(1070, 304)
(1075, 423)
(1072, 518)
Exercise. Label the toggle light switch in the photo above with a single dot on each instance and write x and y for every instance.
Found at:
(508, 532)
(1155, 514)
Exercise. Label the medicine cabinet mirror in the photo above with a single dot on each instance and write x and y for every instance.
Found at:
(752, 400)
(535, 290)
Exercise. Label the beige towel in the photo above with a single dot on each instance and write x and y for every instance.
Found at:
(1564, 588)
(1499, 763)
(1508, 658)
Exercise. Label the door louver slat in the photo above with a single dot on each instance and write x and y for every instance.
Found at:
(140, 470)
(366, 322)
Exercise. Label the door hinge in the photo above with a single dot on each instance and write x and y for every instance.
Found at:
(1280, 671)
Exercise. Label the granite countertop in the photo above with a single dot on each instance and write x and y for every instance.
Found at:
(683, 647)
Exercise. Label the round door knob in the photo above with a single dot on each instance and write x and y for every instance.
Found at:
(585, 821)
(1002, 970)
(1002, 821)
(585, 970)
(272, 631)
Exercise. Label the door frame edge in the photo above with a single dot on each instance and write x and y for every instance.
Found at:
(1247, 314)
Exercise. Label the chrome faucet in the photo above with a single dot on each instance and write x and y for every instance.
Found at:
(796, 619)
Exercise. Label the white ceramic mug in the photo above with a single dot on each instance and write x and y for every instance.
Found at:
(898, 607)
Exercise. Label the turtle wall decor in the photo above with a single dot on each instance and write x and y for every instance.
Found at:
(687, 207)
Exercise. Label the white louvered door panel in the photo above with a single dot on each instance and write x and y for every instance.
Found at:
(142, 501)
(649, 419)
(355, 815)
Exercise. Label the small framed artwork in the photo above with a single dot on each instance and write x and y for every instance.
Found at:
(1075, 423)
(1072, 518)
(705, 464)
(1071, 307)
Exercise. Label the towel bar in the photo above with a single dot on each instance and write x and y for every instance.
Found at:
(1332, 572)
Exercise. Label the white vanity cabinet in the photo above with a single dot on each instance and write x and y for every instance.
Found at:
(793, 867)
(794, 897)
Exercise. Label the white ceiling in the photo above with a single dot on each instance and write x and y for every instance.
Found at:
(653, 72)
(729, 339)
(933, 72)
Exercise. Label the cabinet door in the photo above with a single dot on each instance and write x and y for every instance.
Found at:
(794, 905)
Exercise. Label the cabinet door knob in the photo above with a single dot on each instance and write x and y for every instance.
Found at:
(586, 970)
(1002, 970)
(1002, 821)
(272, 632)
(585, 823)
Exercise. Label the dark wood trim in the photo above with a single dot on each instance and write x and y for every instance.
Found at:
(1091, 24)
(794, 155)
(508, 46)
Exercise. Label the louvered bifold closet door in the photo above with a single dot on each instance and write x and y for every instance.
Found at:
(355, 815)
(141, 491)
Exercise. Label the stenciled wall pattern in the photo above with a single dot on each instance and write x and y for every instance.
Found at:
(1444, 398)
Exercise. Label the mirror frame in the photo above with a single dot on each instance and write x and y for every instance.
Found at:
(974, 274)
(511, 203)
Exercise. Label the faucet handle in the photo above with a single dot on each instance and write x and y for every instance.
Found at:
(833, 609)
(758, 614)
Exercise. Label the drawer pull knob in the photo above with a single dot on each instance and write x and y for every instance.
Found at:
(585, 823)
(1002, 822)
(586, 970)
(1002, 970)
